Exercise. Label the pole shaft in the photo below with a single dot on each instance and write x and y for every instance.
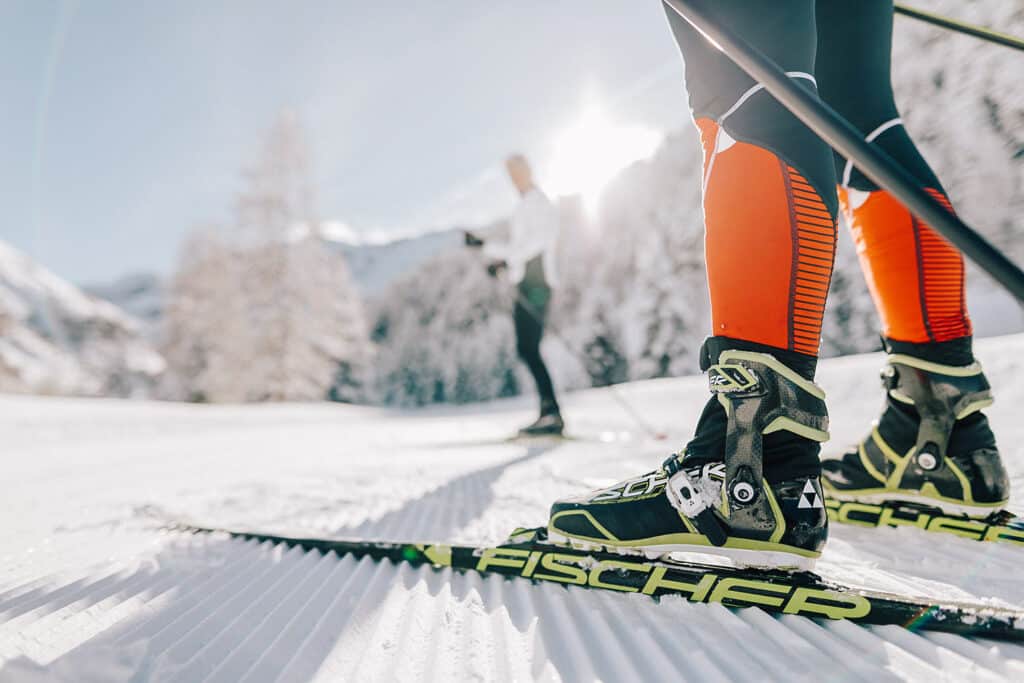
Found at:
(849, 142)
(961, 27)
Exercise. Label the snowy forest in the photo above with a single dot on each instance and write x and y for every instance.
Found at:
(265, 305)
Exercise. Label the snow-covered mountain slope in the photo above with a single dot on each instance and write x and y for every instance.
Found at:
(92, 590)
(56, 339)
(141, 295)
(374, 266)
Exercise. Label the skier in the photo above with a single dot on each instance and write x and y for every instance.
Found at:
(529, 257)
(749, 480)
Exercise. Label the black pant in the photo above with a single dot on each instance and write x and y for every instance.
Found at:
(845, 44)
(529, 315)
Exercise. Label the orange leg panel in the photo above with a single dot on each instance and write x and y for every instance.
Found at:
(769, 245)
(915, 276)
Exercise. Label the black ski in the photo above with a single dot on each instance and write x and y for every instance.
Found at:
(527, 555)
(999, 527)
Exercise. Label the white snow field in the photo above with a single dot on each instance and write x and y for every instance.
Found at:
(92, 590)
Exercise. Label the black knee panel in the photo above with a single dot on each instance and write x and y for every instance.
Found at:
(722, 92)
(853, 68)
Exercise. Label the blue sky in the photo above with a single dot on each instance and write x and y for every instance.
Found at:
(125, 122)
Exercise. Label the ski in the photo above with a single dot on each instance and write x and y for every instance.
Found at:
(538, 440)
(527, 555)
(999, 527)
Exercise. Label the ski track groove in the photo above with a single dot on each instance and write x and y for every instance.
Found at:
(202, 654)
(310, 636)
(97, 588)
(408, 663)
(439, 652)
(214, 612)
(735, 628)
(265, 631)
(82, 623)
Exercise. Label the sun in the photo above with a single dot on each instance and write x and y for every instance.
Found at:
(587, 154)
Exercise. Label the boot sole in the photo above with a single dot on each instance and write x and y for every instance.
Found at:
(741, 558)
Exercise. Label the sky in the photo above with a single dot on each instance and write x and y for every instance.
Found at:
(124, 123)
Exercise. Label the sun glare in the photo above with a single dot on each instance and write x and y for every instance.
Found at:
(590, 152)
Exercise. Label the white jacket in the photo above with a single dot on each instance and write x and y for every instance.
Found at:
(534, 230)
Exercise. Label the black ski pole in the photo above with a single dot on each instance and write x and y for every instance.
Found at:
(849, 142)
(961, 27)
(626, 406)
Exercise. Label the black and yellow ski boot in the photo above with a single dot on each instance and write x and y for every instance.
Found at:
(932, 447)
(715, 499)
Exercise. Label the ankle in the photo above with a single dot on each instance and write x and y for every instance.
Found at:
(713, 347)
(789, 456)
(955, 352)
(549, 408)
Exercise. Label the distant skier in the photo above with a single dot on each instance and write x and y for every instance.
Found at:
(749, 480)
(529, 256)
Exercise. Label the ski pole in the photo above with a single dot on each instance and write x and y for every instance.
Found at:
(961, 27)
(849, 142)
(626, 406)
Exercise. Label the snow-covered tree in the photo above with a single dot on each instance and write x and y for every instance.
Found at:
(444, 334)
(265, 309)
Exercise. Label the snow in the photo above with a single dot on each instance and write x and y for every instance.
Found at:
(91, 589)
(54, 338)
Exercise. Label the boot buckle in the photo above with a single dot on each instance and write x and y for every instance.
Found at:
(696, 503)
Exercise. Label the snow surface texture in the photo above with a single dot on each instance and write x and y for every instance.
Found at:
(56, 339)
(92, 590)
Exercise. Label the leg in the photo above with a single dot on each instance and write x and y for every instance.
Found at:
(932, 444)
(769, 208)
(916, 277)
(747, 485)
(529, 325)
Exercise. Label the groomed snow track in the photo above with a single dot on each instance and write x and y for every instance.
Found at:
(92, 589)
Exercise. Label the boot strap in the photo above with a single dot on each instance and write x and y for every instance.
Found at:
(691, 499)
(761, 395)
(941, 395)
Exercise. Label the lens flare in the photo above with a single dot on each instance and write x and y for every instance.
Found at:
(591, 151)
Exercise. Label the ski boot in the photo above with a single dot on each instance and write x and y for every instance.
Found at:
(549, 423)
(725, 508)
(932, 446)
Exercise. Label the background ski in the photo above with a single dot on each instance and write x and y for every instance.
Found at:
(804, 594)
(999, 527)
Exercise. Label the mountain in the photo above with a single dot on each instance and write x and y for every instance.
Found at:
(56, 339)
(141, 295)
(375, 266)
(372, 266)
